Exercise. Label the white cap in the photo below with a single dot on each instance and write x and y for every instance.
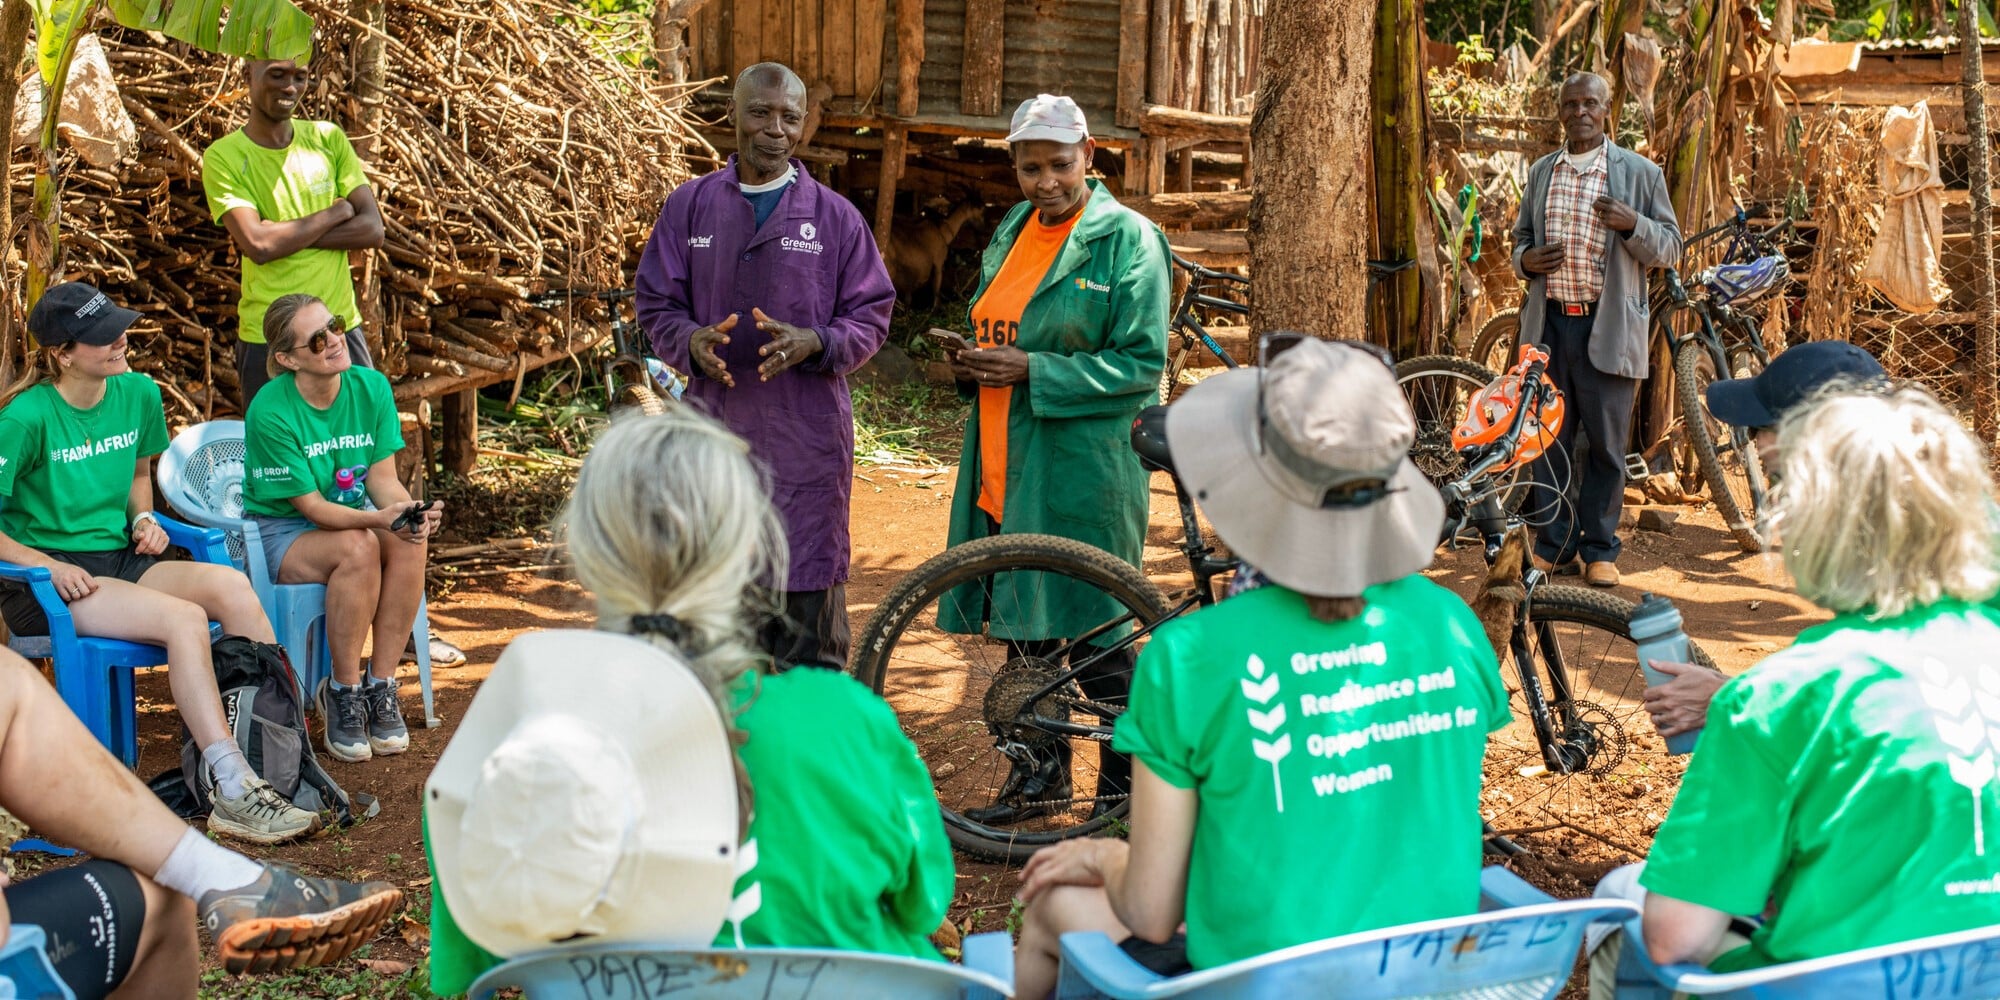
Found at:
(1050, 117)
(543, 828)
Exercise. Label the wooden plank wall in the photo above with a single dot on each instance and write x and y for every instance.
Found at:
(835, 42)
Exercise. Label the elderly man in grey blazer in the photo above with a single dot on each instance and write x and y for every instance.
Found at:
(1594, 217)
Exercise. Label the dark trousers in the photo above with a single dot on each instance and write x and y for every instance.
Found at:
(1598, 406)
(811, 630)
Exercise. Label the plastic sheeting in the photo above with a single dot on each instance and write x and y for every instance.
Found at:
(1904, 265)
(94, 120)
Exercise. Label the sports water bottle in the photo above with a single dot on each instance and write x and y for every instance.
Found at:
(343, 485)
(1656, 627)
(25, 969)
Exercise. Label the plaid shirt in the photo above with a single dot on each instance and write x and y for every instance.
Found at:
(1571, 221)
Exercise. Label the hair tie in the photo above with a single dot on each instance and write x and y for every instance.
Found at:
(664, 625)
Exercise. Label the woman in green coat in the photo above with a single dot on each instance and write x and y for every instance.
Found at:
(1070, 323)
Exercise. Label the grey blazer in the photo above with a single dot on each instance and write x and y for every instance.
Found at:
(1618, 334)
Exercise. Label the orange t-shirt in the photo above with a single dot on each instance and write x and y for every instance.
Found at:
(996, 322)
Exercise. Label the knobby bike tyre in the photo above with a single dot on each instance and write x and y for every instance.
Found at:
(953, 693)
(1499, 337)
(632, 396)
(1726, 455)
(1609, 807)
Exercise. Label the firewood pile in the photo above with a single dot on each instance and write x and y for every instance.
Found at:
(514, 155)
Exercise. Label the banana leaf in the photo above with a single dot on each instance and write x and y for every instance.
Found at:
(255, 29)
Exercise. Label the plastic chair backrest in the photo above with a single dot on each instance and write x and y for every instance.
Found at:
(1518, 953)
(1960, 966)
(604, 972)
(201, 475)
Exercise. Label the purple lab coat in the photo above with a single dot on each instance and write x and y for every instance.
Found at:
(813, 264)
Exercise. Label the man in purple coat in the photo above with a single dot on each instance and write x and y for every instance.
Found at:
(767, 288)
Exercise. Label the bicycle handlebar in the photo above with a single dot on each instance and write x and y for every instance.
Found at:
(1459, 491)
(1201, 273)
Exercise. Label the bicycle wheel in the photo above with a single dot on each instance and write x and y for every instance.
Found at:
(1726, 455)
(1621, 780)
(1498, 340)
(1170, 377)
(962, 697)
(635, 396)
(1438, 388)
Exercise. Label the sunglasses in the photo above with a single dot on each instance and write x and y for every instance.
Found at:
(335, 327)
(1345, 495)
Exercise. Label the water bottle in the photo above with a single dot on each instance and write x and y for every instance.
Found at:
(343, 485)
(669, 382)
(1656, 627)
(25, 969)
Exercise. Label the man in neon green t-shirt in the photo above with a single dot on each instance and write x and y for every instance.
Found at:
(294, 198)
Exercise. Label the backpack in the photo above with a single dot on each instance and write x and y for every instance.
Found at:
(266, 714)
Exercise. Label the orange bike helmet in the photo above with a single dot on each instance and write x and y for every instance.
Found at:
(1491, 411)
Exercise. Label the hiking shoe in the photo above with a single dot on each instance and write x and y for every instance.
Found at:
(386, 732)
(260, 815)
(289, 920)
(346, 716)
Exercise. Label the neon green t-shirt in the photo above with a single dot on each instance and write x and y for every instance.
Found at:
(285, 184)
(292, 448)
(1337, 765)
(65, 473)
(846, 848)
(1850, 780)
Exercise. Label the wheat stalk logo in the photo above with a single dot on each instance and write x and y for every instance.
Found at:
(1968, 721)
(1262, 690)
(749, 901)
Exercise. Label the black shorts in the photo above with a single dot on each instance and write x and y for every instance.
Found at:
(92, 915)
(813, 632)
(24, 616)
(1168, 958)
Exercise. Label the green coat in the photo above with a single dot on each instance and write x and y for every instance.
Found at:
(1096, 336)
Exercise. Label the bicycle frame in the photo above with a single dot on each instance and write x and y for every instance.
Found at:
(1187, 323)
(628, 355)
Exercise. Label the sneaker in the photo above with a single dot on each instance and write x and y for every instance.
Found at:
(260, 815)
(346, 716)
(289, 920)
(386, 732)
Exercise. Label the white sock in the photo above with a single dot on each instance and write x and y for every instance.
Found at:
(199, 866)
(231, 769)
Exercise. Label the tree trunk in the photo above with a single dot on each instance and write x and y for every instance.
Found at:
(15, 19)
(371, 78)
(670, 21)
(1979, 170)
(1309, 217)
(1398, 317)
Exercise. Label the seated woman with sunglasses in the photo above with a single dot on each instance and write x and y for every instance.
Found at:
(78, 433)
(1327, 725)
(321, 441)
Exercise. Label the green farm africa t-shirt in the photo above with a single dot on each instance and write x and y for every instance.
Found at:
(282, 185)
(1850, 781)
(65, 473)
(292, 448)
(846, 849)
(1339, 762)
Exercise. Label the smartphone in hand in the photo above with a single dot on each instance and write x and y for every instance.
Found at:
(951, 340)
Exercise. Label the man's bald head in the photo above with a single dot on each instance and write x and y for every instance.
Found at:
(1595, 84)
(767, 75)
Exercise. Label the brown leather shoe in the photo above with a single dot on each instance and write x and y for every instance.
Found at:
(1569, 567)
(1601, 574)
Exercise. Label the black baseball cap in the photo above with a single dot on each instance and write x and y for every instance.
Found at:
(74, 311)
(1792, 377)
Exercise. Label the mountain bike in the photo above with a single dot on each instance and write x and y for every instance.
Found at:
(630, 381)
(976, 704)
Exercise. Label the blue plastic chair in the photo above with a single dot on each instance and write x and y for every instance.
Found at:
(605, 972)
(94, 675)
(1522, 948)
(1961, 966)
(201, 475)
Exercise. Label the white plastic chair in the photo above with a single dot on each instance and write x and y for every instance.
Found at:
(201, 474)
(626, 970)
(1523, 948)
(1961, 966)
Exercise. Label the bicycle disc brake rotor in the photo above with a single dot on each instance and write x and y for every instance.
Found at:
(1007, 711)
(1595, 743)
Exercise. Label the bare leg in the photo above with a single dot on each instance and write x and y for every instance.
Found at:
(349, 562)
(1038, 956)
(403, 564)
(97, 807)
(129, 611)
(167, 963)
(221, 592)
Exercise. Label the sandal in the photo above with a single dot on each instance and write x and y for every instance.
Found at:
(443, 654)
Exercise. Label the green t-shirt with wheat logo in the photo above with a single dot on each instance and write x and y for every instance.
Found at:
(1337, 765)
(1849, 783)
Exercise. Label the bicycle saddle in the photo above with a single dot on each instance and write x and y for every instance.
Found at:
(1149, 439)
